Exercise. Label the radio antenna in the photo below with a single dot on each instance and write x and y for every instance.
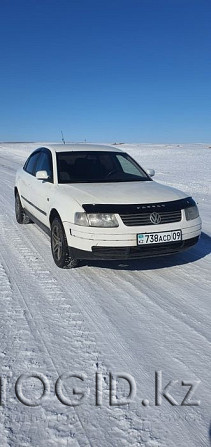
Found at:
(63, 140)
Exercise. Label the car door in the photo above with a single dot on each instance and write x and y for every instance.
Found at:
(42, 190)
(25, 181)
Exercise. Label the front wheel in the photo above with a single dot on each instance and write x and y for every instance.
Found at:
(59, 246)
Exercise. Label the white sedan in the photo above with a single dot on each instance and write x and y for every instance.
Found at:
(96, 202)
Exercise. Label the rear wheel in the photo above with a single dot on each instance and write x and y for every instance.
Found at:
(20, 214)
(59, 246)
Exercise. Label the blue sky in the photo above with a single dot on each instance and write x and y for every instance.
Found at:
(105, 70)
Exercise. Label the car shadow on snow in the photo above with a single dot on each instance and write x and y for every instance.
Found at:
(199, 251)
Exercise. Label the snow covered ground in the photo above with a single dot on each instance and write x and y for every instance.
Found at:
(108, 317)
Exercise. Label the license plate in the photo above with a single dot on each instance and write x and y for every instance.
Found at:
(159, 238)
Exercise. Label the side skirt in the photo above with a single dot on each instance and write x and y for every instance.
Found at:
(37, 222)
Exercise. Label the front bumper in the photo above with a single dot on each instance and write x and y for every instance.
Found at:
(138, 252)
(121, 242)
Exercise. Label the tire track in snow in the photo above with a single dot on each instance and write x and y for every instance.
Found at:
(51, 293)
(18, 352)
(5, 319)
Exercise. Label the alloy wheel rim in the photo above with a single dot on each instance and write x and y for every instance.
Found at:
(57, 242)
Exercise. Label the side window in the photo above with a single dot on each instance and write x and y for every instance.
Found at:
(31, 163)
(45, 164)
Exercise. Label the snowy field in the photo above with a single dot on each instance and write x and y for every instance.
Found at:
(107, 317)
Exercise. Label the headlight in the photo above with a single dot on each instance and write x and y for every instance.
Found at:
(81, 219)
(96, 220)
(191, 213)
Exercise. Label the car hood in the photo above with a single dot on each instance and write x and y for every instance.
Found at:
(121, 193)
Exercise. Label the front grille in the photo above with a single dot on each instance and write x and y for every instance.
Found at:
(139, 219)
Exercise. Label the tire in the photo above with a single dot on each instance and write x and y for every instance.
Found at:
(59, 246)
(20, 214)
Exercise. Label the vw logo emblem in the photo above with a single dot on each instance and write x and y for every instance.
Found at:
(155, 218)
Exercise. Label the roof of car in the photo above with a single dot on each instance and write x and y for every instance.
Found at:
(81, 147)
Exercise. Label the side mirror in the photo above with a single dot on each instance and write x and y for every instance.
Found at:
(42, 175)
(151, 172)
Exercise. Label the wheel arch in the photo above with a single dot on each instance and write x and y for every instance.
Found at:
(54, 213)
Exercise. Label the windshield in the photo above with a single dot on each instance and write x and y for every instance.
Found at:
(98, 167)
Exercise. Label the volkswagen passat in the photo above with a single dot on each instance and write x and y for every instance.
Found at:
(96, 202)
